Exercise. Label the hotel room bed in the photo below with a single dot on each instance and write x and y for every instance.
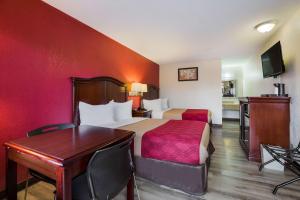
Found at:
(174, 113)
(142, 125)
(190, 178)
(203, 115)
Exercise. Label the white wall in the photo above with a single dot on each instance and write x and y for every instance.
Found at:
(204, 93)
(254, 83)
(289, 36)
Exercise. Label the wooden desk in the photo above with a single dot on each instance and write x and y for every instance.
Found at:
(60, 155)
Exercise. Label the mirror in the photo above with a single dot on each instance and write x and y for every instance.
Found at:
(229, 88)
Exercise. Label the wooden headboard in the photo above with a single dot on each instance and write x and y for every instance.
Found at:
(153, 92)
(97, 90)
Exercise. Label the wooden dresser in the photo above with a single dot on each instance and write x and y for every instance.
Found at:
(263, 120)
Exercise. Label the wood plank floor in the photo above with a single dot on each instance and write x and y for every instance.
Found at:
(231, 176)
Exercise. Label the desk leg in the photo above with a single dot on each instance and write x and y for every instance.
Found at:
(11, 178)
(63, 184)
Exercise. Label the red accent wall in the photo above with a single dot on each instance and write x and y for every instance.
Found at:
(136, 101)
(40, 49)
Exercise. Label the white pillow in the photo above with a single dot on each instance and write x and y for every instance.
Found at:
(154, 105)
(122, 111)
(96, 115)
(164, 104)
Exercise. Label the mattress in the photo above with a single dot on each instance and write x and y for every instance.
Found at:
(141, 125)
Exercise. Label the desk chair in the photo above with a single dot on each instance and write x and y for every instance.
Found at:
(38, 131)
(108, 172)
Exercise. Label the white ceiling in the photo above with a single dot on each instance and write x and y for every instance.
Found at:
(173, 31)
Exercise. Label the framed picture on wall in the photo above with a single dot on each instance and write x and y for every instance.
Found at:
(188, 74)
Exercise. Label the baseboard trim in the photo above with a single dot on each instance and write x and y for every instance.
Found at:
(231, 119)
(217, 125)
(21, 186)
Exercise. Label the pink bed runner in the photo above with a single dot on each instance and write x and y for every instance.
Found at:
(196, 114)
(176, 141)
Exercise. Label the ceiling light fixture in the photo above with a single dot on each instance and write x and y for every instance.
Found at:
(265, 26)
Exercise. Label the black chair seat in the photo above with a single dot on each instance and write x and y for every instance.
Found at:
(108, 172)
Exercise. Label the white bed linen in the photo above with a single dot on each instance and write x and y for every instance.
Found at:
(203, 153)
(122, 111)
(96, 115)
(124, 122)
(159, 114)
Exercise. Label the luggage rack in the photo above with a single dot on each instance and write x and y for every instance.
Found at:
(289, 158)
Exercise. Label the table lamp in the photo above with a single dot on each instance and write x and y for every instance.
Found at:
(143, 88)
(136, 88)
(139, 89)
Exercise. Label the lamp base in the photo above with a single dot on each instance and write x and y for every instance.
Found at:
(141, 109)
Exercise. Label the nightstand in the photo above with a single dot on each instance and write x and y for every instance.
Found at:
(141, 113)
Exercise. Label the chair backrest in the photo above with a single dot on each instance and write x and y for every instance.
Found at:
(49, 128)
(109, 170)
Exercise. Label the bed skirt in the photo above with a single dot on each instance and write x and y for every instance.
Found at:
(187, 178)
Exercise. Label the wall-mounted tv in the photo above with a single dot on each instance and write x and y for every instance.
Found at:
(272, 62)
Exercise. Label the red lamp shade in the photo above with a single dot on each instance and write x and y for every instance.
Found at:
(136, 101)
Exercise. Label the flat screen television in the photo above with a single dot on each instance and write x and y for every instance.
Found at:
(272, 62)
